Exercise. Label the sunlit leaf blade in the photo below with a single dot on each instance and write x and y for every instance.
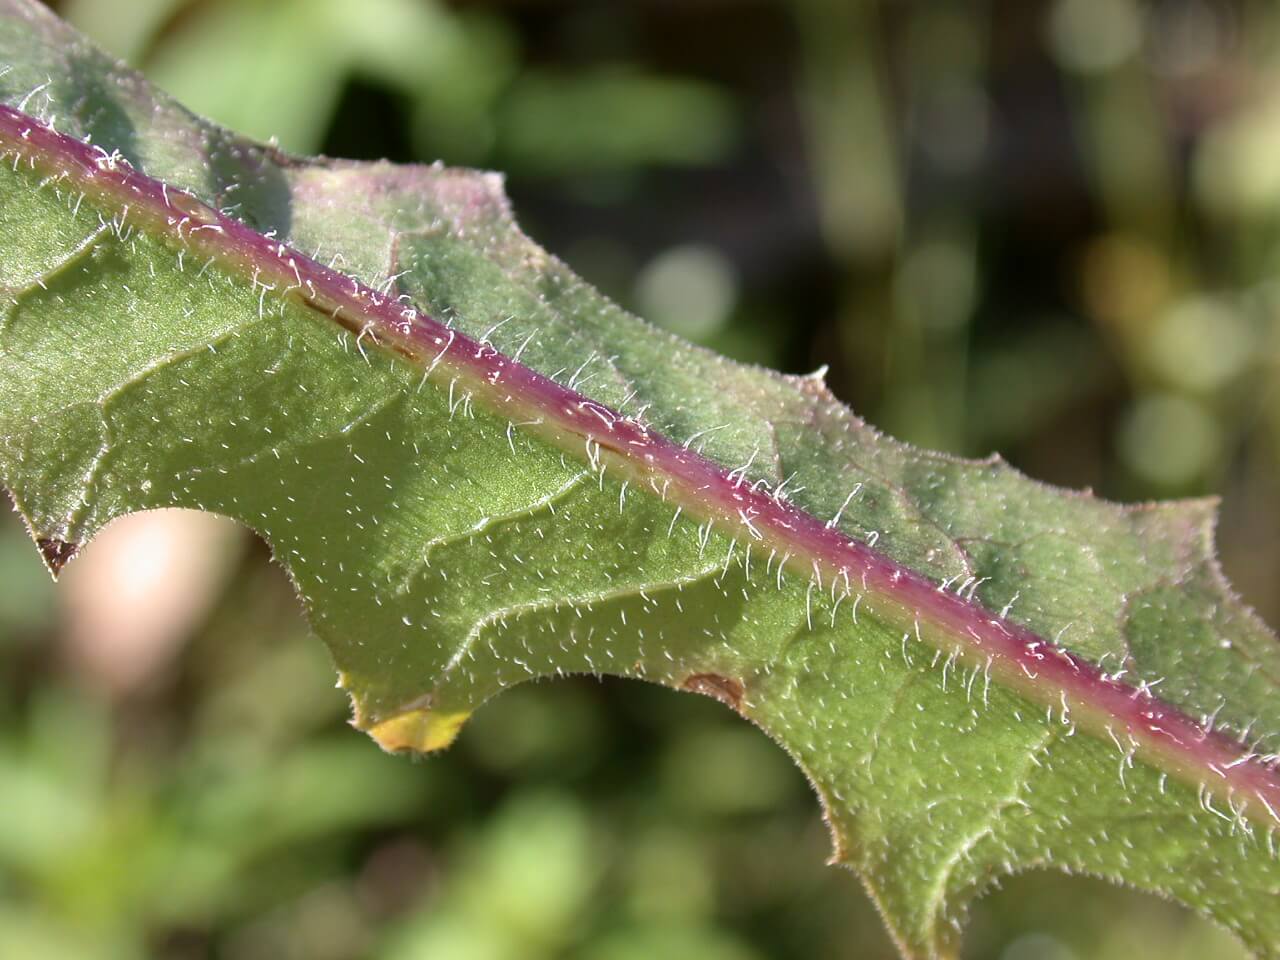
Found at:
(457, 522)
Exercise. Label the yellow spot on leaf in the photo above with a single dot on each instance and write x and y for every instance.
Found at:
(418, 730)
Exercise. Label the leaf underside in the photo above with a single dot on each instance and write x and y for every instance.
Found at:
(444, 554)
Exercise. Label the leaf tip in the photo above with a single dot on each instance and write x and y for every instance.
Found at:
(57, 553)
(421, 730)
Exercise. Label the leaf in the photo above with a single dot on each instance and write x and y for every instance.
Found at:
(478, 472)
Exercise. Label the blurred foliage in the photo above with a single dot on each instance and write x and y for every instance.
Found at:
(1047, 228)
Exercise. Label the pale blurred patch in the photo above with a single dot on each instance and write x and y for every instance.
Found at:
(937, 284)
(1090, 36)
(126, 37)
(134, 596)
(1169, 440)
(1037, 946)
(690, 289)
(1234, 173)
(1202, 343)
(1125, 282)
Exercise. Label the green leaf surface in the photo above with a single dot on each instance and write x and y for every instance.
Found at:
(456, 449)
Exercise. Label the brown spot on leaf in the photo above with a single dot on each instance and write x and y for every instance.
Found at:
(725, 689)
(57, 553)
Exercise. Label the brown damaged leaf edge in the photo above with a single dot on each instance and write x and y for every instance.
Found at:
(57, 553)
(961, 629)
(727, 690)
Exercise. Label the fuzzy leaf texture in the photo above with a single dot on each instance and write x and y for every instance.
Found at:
(478, 471)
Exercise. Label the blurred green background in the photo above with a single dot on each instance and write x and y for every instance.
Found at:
(1051, 229)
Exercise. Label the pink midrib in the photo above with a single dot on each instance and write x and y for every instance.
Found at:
(1156, 731)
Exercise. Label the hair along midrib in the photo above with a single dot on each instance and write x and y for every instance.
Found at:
(957, 625)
